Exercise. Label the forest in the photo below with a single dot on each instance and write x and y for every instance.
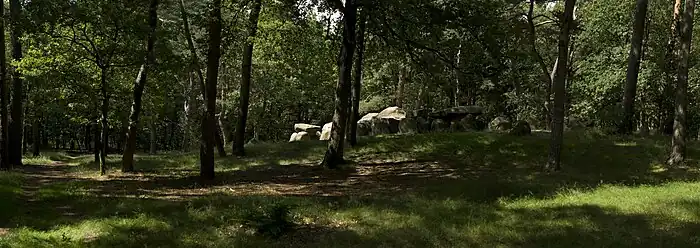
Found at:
(349, 123)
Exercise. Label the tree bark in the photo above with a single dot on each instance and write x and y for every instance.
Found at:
(104, 144)
(678, 142)
(670, 69)
(17, 121)
(334, 154)
(628, 123)
(219, 138)
(190, 45)
(187, 105)
(546, 76)
(206, 170)
(198, 70)
(357, 82)
(4, 96)
(459, 76)
(246, 69)
(96, 140)
(139, 85)
(557, 135)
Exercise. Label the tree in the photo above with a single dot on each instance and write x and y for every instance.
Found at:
(139, 85)
(678, 142)
(200, 75)
(206, 171)
(334, 154)
(17, 110)
(357, 82)
(557, 136)
(640, 17)
(670, 67)
(4, 144)
(246, 68)
(546, 78)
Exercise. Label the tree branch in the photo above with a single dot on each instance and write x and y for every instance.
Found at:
(337, 4)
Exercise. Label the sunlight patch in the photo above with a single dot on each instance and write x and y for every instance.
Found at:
(657, 168)
(626, 144)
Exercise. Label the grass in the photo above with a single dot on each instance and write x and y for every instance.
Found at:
(436, 190)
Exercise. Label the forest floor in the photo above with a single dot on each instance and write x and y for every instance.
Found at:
(436, 190)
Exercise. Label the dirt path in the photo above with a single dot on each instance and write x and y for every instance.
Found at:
(290, 180)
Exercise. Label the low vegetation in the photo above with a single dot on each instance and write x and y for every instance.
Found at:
(433, 190)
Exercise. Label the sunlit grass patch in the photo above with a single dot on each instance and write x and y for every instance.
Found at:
(428, 190)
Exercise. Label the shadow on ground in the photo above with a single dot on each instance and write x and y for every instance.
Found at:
(439, 190)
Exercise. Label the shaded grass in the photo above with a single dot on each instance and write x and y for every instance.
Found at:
(436, 190)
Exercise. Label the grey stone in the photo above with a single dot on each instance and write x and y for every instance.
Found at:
(521, 128)
(301, 127)
(326, 131)
(438, 125)
(500, 124)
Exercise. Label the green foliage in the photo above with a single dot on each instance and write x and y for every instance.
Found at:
(272, 221)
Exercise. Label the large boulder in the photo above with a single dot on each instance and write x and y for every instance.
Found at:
(384, 126)
(457, 113)
(395, 113)
(500, 124)
(438, 125)
(301, 127)
(368, 117)
(471, 123)
(387, 121)
(408, 125)
(423, 125)
(326, 131)
(364, 125)
(293, 137)
(455, 126)
(300, 136)
(521, 128)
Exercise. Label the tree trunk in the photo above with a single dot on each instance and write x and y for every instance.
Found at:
(554, 160)
(459, 76)
(186, 115)
(198, 70)
(37, 138)
(190, 45)
(4, 96)
(334, 154)
(246, 69)
(206, 171)
(357, 82)
(17, 121)
(640, 17)
(546, 77)
(103, 119)
(96, 142)
(139, 85)
(678, 142)
(152, 148)
(226, 134)
(219, 138)
(671, 72)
